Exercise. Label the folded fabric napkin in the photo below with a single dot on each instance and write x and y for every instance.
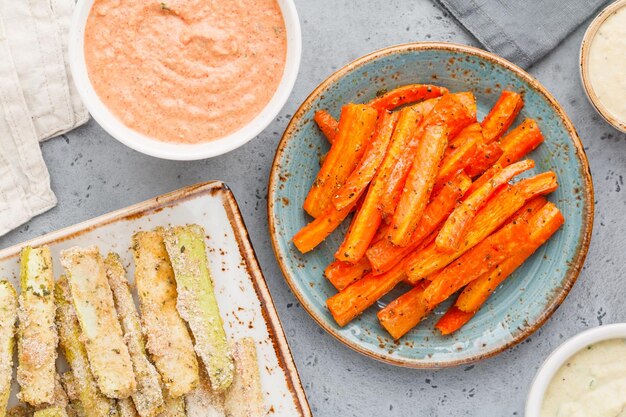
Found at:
(521, 31)
(38, 100)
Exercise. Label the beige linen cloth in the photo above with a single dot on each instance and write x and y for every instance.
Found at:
(38, 100)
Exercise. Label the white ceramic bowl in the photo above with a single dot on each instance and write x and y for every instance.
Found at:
(177, 151)
(590, 33)
(561, 355)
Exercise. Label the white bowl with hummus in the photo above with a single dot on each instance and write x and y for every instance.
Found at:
(585, 376)
(603, 63)
(184, 79)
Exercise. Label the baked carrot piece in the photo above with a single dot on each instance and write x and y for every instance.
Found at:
(419, 184)
(368, 217)
(356, 298)
(484, 158)
(502, 115)
(423, 263)
(455, 111)
(327, 124)
(547, 221)
(476, 262)
(456, 225)
(455, 161)
(453, 320)
(405, 312)
(356, 125)
(383, 255)
(341, 274)
(406, 94)
(515, 145)
(473, 130)
(372, 158)
(317, 230)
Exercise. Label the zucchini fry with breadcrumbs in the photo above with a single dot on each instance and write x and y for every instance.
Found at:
(80, 384)
(197, 304)
(8, 319)
(74, 408)
(168, 340)
(92, 298)
(148, 398)
(54, 411)
(245, 397)
(203, 401)
(174, 407)
(37, 335)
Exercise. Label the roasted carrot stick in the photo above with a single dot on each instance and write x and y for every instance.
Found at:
(327, 124)
(405, 312)
(423, 263)
(406, 94)
(316, 231)
(456, 160)
(501, 115)
(383, 255)
(356, 298)
(476, 262)
(453, 320)
(368, 217)
(356, 125)
(473, 130)
(547, 221)
(456, 225)
(484, 158)
(341, 274)
(455, 111)
(369, 163)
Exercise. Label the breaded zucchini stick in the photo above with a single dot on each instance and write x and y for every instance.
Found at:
(126, 408)
(108, 355)
(81, 386)
(197, 304)
(8, 319)
(54, 411)
(74, 408)
(245, 397)
(173, 407)
(203, 401)
(37, 335)
(148, 398)
(168, 340)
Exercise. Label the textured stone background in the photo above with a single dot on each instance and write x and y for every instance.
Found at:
(93, 174)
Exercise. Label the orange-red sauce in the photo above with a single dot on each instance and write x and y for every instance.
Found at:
(185, 70)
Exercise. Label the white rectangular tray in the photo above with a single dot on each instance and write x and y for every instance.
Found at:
(244, 300)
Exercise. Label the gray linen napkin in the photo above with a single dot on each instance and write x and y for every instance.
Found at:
(522, 31)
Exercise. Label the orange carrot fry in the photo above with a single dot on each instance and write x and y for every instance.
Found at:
(483, 159)
(476, 262)
(502, 115)
(383, 255)
(453, 320)
(356, 298)
(455, 161)
(543, 226)
(456, 225)
(406, 94)
(356, 125)
(405, 312)
(369, 163)
(471, 131)
(423, 263)
(418, 185)
(368, 217)
(515, 145)
(327, 124)
(452, 111)
(316, 231)
(341, 274)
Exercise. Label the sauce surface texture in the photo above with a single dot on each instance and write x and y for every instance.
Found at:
(590, 383)
(185, 70)
(607, 63)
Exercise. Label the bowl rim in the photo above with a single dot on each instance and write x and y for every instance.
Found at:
(182, 151)
(575, 265)
(560, 355)
(583, 58)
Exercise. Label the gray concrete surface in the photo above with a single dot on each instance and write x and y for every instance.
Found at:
(93, 174)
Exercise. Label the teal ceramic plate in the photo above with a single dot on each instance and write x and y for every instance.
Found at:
(524, 301)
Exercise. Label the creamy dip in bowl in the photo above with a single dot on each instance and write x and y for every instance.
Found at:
(184, 79)
(603, 64)
(585, 376)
